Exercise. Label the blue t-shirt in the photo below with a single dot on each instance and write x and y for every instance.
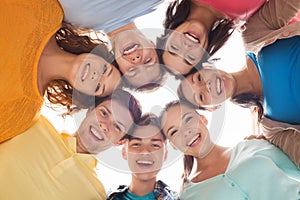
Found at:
(278, 65)
(105, 15)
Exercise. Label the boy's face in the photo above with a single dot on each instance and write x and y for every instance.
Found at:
(145, 151)
(104, 126)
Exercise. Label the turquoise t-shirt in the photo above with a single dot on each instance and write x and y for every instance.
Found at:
(278, 65)
(257, 170)
(130, 196)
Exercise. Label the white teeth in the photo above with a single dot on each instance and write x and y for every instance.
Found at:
(96, 133)
(130, 49)
(86, 71)
(192, 37)
(219, 86)
(193, 139)
(144, 162)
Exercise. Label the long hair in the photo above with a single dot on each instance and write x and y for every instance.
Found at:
(248, 100)
(177, 13)
(61, 92)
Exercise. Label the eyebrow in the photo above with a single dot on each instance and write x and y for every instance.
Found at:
(111, 69)
(184, 60)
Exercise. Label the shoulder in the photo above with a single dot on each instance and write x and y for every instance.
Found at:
(163, 191)
(118, 193)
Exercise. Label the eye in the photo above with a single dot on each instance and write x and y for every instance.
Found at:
(156, 146)
(103, 113)
(131, 71)
(173, 132)
(148, 60)
(199, 78)
(135, 145)
(173, 47)
(104, 69)
(97, 87)
(117, 128)
(188, 119)
(201, 97)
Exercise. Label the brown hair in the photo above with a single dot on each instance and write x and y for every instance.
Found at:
(146, 120)
(188, 161)
(248, 100)
(177, 13)
(61, 92)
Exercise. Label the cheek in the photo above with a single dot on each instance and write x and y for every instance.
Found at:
(124, 65)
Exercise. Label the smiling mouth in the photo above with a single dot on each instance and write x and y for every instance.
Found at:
(219, 85)
(145, 162)
(98, 135)
(194, 140)
(130, 48)
(85, 72)
(192, 37)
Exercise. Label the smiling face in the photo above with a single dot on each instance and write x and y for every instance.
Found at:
(185, 47)
(186, 130)
(103, 127)
(136, 57)
(95, 76)
(145, 152)
(208, 87)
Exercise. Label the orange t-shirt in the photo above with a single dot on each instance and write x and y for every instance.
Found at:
(26, 27)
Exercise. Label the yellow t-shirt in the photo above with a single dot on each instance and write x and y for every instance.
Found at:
(39, 165)
(26, 26)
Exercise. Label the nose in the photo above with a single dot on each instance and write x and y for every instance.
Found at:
(187, 132)
(136, 56)
(104, 126)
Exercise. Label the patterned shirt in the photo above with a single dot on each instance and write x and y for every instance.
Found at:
(161, 192)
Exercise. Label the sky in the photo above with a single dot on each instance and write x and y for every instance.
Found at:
(235, 122)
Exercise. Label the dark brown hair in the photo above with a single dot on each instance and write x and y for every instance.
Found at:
(61, 92)
(177, 13)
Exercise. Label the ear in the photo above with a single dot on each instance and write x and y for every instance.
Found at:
(166, 153)
(121, 142)
(124, 152)
(154, 45)
(204, 119)
(89, 110)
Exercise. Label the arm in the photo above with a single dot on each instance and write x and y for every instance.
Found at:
(271, 17)
(285, 136)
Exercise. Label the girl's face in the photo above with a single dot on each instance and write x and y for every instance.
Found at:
(208, 87)
(94, 75)
(186, 130)
(104, 126)
(145, 152)
(185, 47)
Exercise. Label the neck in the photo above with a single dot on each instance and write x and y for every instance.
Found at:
(142, 187)
(213, 164)
(130, 26)
(53, 64)
(205, 14)
(248, 80)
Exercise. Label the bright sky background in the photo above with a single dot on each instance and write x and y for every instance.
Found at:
(237, 122)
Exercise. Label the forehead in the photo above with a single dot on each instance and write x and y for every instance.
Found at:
(175, 113)
(147, 132)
